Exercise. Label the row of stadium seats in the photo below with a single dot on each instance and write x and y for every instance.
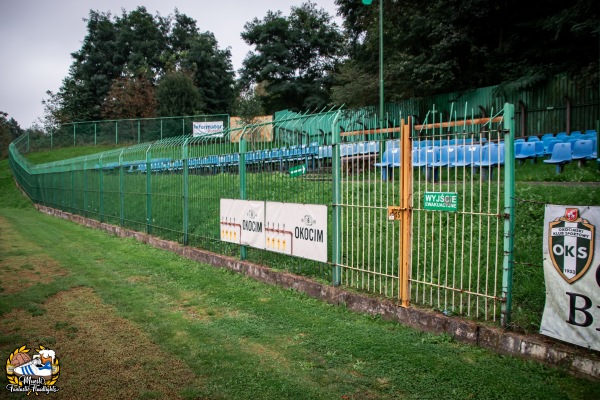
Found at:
(426, 153)
(431, 158)
(548, 138)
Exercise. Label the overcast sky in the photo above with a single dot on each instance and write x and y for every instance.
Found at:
(38, 37)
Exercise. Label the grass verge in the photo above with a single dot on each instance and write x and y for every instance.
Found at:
(132, 321)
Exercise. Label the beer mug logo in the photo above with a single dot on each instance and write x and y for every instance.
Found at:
(309, 220)
(37, 373)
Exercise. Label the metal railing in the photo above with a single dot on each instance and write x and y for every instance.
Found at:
(457, 259)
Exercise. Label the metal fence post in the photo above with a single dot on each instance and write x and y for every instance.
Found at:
(116, 132)
(101, 189)
(336, 201)
(185, 192)
(85, 187)
(95, 134)
(509, 212)
(121, 190)
(72, 188)
(243, 249)
(74, 135)
(406, 178)
(148, 190)
(62, 188)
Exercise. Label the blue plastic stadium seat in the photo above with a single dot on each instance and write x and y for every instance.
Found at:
(492, 155)
(361, 148)
(550, 146)
(426, 158)
(418, 158)
(447, 156)
(547, 135)
(533, 138)
(472, 154)
(561, 155)
(389, 160)
(524, 151)
(347, 150)
(583, 150)
(373, 147)
(539, 149)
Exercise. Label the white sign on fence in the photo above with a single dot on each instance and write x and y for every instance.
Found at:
(297, 229)
(242, 222)
(207, 128)
(572, 274)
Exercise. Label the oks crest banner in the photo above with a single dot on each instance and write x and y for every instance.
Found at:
(572, 275)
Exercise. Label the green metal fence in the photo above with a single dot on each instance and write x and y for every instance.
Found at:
(172, 188)
(122, 132)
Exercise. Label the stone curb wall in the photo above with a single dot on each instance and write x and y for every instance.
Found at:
(535, 347)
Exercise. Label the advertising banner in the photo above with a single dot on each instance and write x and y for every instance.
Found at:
(297, 229)
(572, 275)
(242, 222)
(207, 128)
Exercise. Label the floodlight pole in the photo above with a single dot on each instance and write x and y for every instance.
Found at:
(381, 102)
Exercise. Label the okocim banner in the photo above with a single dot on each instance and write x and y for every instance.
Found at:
(572, 275)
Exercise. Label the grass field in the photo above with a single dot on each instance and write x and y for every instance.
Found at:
(130, 321)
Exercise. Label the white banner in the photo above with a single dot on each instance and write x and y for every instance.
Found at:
(242, 222)
(207, 128)
(572, 274)
(297, 229)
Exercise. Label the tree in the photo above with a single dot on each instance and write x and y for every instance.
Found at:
(141, 42)
(212, 72)
(9, 131)
(5, 135)
(177, 95)
(130, 98)
(248, 106)
(294, 57)
(95, 66)
(122, 54)
(53, 113)
(452, 45)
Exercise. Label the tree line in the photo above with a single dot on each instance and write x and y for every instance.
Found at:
(138, 65)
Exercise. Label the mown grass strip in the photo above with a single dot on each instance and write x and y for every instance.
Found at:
(243, 339)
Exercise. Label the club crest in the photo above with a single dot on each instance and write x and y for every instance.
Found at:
(571, 214)
(571, 244)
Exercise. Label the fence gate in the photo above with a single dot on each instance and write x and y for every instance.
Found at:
(426, 216)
